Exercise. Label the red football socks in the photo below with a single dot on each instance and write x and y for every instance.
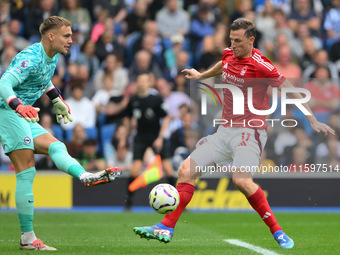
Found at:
(260, 204)
(186, 192)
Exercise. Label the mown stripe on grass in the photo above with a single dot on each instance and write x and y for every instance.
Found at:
(250, 247)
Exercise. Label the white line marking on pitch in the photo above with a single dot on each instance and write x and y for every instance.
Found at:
(250, 247)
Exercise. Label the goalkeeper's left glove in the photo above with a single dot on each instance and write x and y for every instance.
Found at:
(61, 109)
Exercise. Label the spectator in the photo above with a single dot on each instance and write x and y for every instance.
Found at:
(37, 14)
(77, 41)
(303, 32)
(6, 57)
(179, 137)
(108, 44)
(181, 83)
(14, 27)
(5, 10)
(325, 94)
(281, 27)
(172, 100)
(309, 49)
(285, 65)
(241, 7)
(172, 20)
(199, 28)
(170, 54)
(265, 18)
(210, 54)
(102, 96)
(134, 21)
(87, 57)
(150, 44)
(299, 163)
(78, 137)
(89, 158)
(302, 140)
(320, 58)
(331, 24)
(335, 54)
(79, 16)
(121, 155)
(82, 109)
(142, 64)
(304, 13)
(332, 158)
(151, 40)
(81, 77)
(284, 5)
(113, 67)
(116, 9)
(104, 21)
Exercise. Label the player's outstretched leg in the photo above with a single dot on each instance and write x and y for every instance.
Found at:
(58, 153)
(164, 230)
(257, 199)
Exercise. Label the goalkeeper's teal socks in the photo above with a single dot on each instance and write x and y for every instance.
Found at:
(64, 161)
(24, 198)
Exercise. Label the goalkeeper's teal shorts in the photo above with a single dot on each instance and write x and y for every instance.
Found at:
(16, 133)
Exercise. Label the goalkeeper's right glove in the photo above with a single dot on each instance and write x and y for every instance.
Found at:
(28, 112)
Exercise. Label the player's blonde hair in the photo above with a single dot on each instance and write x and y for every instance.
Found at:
(53, 22)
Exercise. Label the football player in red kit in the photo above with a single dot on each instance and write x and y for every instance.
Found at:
(236, 141)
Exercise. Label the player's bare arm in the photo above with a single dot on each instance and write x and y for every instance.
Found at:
(315, 124)
(193, 74)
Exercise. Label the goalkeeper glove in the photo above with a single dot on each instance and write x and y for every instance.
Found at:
(28, 112)
(61, 109)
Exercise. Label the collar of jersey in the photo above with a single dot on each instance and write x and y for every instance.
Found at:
(44, 53)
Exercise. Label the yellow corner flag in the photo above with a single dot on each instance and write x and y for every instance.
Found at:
(152, 173)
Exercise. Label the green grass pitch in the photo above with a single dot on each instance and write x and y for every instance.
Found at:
(196, 233)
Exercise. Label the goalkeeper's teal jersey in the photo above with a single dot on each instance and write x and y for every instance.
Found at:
(34, 70)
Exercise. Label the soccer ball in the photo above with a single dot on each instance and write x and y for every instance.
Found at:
(164, 198)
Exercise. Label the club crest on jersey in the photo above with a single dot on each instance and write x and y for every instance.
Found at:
(244, 69)
(24, 64)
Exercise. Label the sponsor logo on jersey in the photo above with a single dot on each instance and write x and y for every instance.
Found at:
(24, 64)
(27, 140)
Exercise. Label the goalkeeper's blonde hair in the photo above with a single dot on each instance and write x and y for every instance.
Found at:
(53, 22)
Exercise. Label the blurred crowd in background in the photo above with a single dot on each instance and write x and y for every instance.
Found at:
(114, 41)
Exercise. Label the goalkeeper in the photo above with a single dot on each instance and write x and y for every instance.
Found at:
(26, 79)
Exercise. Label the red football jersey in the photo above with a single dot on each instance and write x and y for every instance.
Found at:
(256, 72)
